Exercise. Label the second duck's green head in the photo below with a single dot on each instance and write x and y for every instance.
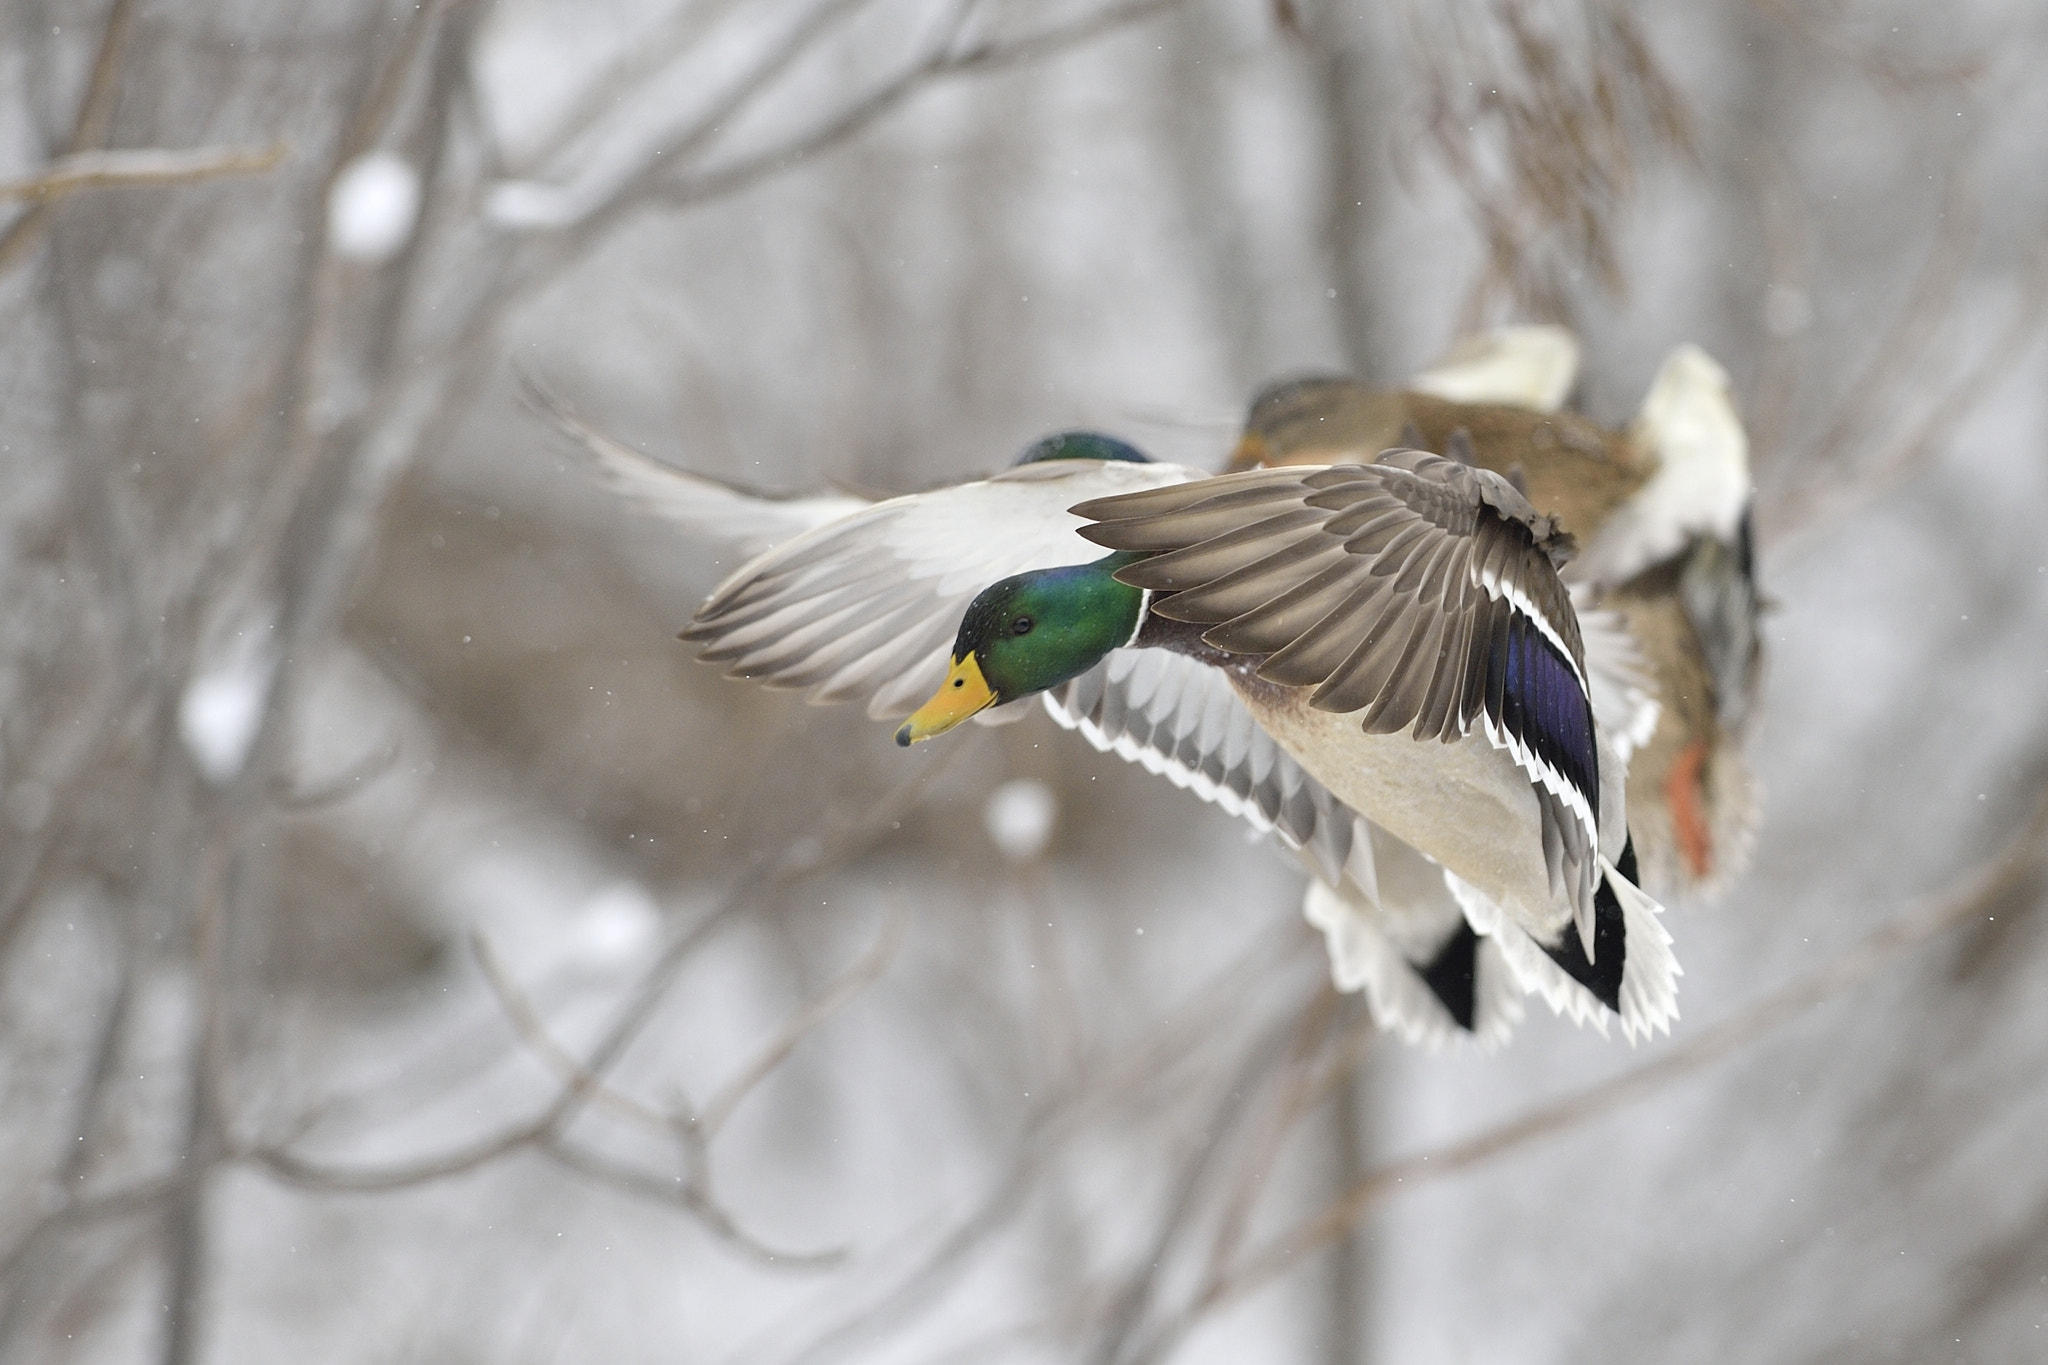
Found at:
(1028, 633)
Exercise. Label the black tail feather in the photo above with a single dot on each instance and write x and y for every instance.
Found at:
(1453, 975)
(1601, 975)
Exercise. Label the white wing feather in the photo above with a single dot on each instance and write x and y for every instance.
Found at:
(866, 607)
(702, 506)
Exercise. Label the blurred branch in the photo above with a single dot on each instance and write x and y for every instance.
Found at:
(680, 1191)
(1761, 164)
(1883, 66)
(532, 1030)
(661, 181)
(1294, 1103)
(1232, 1104)
(1191, 1021)
(387, 87)
(22, 1280)
(2022, 853)
(753, 885)
(1821, 500)
(863, 973)
(691, 1190)
(801, 38)
(745, 91)
(88, 129)
(1913, 333)
(207, 1104)
(943, 62)
(140, 1196)
(580, 1089)
(641, 62)
(1543, 132)
(144, 166)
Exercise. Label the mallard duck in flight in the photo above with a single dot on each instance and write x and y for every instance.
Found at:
(874, 604)
(1399, 629)
(1393, 926)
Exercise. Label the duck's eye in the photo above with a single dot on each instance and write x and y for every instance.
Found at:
(1021, 626)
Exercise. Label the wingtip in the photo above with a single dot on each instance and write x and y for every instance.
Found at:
(1401, 994)
(1644, 998)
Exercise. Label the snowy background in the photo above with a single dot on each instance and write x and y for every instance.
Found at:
(407, 953)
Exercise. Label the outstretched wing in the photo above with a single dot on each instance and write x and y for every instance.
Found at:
(750, 522)
(866, 607)
(1417, 592)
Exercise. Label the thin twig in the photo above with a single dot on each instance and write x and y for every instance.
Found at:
(141, 166)
(680, 1191)
(1883, 67)
(745, 91)
(855, 979)
(88, 129)
(1295, 1101)
(533, 1032)
(1060, 1118)
(633, 70)
(1913, 333)
(942, 63)
(1929, 438)
(1126, 1311)
(79, 1151)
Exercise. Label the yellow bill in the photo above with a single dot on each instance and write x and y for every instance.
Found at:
(963, 693)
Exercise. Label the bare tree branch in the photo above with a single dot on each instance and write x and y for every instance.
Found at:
(148, 166)
(754, 885)
(681, 1192)
(634, 69)
(88, 130)
(863, 973)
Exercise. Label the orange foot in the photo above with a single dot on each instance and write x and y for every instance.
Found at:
(1685, 794)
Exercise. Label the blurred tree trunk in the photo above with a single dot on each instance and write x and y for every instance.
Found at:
(1340, 61)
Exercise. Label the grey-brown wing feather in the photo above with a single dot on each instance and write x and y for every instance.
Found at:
(1418, 592)
(1382, 586)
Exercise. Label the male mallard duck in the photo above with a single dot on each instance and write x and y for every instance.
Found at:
(886, 602)
(1662, 511)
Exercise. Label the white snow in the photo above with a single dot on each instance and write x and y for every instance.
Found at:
(533, 204)
(1020, 816)
(373, 206)
(221, 711)
(615, 928)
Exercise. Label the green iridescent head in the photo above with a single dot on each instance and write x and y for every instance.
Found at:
(1028, 633)
(1081, 445)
